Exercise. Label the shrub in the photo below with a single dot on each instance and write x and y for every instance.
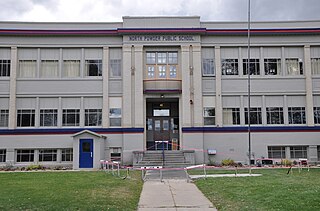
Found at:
(228, 162)
(34, 167)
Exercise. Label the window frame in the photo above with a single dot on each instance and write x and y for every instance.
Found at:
(45, 113)
(316, 115)
(67, 63)
(88, 113)
(30, 153)
(272, 115)
(65, 116)
(293, 112)
(113, 116)
(208, 64)
(315, 66)
(277, 149)
(254, 112)
(52, 63)
(272, 62)
(96, 64)
(295, 149)
(230, 63)
(3, 155)
(254, 66)
(31, 63)
(289, 63)
(4, 118)
(5, 65)
(44, 154)
(24, 113)
(209, 119)
(67, 153)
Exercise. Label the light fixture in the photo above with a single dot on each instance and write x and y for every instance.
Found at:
(162, 95)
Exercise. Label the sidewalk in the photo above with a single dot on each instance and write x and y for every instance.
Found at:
(172, 195)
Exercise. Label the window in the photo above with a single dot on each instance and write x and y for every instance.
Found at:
(47, 155)
(298, 152)
(162, 65)
(115, 67)
(49, 68)
(316, 111)
(209, 116)
(276, 152)
(207, 67)
(70, 117)
(71, 68)
(5, 68)
(93, 117)
(115, 117)
(319, 153)
(231, 116)
(48, 117)
(25, 155)
(93, 67)
(3, 154)
(25, 118)
(255, 116)
(27, 68)
(275, 115)
(294, 67)
(254, 67)
(229, 67)
(315, 66)
(67, 155)
(272, 66)
(297, 115)
(4, 118)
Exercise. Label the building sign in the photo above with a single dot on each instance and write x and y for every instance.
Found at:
(161, 38)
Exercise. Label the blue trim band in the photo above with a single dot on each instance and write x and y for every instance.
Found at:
(244, 129)
(56, 131)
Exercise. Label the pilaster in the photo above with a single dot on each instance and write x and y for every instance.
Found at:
(13, 88)
(218, 109)
(197, 86)
(139, 70)
(309, 97)
(126, 98)
(186, 101)
(105, 87)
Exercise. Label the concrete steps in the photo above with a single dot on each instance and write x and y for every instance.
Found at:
(172, 159)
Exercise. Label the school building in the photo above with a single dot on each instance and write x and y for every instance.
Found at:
(72, 94)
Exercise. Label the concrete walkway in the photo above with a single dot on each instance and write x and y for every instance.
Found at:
(172, 195)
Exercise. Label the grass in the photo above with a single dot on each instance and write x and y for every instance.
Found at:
(275, 190)
(69, 191)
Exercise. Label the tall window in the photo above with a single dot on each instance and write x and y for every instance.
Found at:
(277, 152)
(71, 117)
(275, 115)
(4, 118)
(27, 68)
(209, 116)
(316, 111)
(229, 67)
(255, 116)
(93, 117)
(115, 117)
(231, 116)
(3, 154)
(315, 66)
(207, 67)
(71, 68)
(49, 68)
(47, 155)
(254, 67)
(4, 68)
(162, 65)
(297, 152)
(294, 67)
(272, 66)
(297, 115)
(67, 155)
(93, 67)
(25, 155)
(48, 117)
(25, 118)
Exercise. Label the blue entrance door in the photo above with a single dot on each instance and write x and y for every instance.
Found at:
(86, 153)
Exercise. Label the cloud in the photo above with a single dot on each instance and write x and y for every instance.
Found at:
(113, 10)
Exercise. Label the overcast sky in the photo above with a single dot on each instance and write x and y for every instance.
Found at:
(113, 10)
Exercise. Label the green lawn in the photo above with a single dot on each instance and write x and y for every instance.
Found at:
(69, 191)
(275, 190)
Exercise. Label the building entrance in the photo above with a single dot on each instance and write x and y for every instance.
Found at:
(162, 124)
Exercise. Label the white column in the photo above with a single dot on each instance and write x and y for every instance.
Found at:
(139, 70)
(105, 87)
(37, 113)
(185, 76)
(218, 109)
(82, 115)
(309, 97)
(197, 87)
(13, 88)
(126, 97)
